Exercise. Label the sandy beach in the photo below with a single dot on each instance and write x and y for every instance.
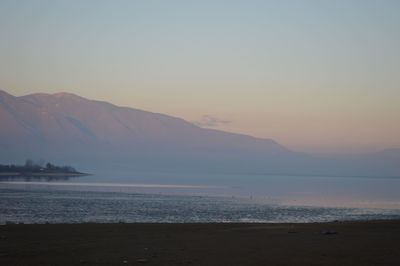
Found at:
(338, 243)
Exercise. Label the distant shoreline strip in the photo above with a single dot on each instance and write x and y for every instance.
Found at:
(107, 185)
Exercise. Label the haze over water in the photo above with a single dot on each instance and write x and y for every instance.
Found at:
(164, 197)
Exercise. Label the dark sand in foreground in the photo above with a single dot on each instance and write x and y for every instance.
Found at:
(344, 243)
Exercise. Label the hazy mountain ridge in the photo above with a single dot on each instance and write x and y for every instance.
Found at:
(71, 129)
(63, 122)
(61, 116)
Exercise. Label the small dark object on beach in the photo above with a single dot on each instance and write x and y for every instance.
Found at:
(329, 233)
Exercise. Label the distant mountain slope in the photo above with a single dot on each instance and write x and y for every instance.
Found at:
(65, 125)
(66, 128)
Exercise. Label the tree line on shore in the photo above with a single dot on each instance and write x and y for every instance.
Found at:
(41, 167)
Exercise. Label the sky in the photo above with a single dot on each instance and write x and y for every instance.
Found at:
(317, 76)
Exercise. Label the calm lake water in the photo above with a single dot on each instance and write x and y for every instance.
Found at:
(150, 197)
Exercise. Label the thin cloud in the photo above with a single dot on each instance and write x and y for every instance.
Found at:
(211, 121)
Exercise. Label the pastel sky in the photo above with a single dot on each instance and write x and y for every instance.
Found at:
(317, 76)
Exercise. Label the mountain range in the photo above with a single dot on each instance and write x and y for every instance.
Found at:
(66, 128)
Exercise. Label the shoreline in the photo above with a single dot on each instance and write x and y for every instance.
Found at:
(374, 242)
(115, 223)
(38, 174)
